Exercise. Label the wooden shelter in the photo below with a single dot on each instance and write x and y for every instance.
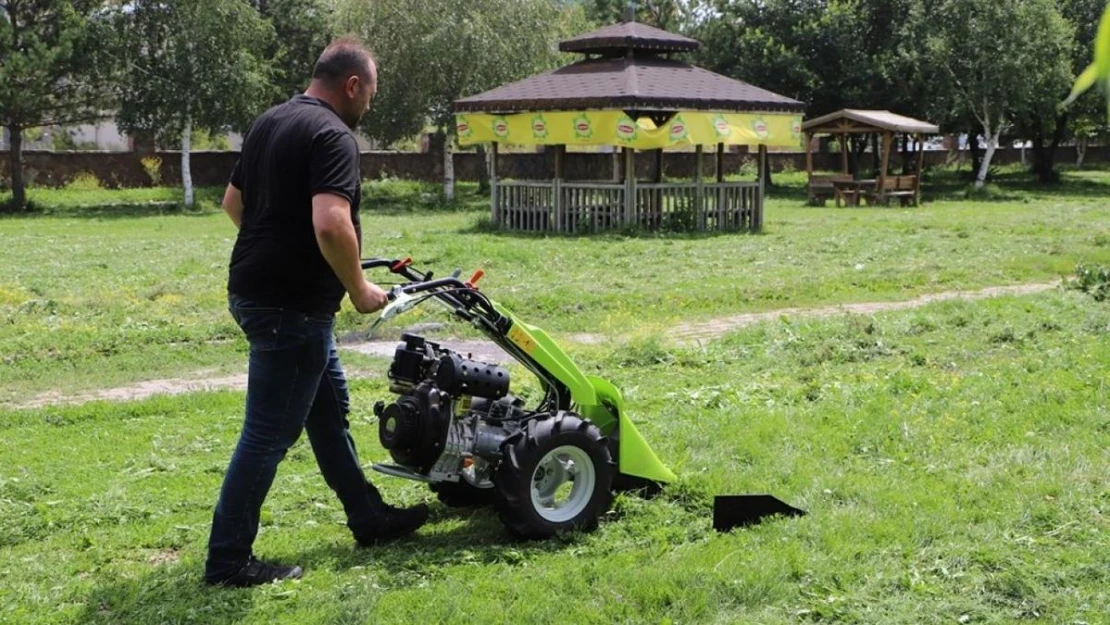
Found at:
(629, 93)
(846, 122)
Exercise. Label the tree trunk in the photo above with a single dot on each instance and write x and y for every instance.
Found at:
(768, 182)
(1044, 157)
(186, 172)
(992, 145)
(859, 148)
(15, 154)
(449, 168)
(1081, 151)
(483, 169)
(975, 149)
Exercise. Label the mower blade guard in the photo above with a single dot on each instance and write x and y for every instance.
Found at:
(635, 457)
(596, 399)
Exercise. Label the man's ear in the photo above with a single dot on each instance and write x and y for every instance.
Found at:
(351, 86)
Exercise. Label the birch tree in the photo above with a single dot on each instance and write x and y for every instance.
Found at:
(1000, 59)
(194, 64)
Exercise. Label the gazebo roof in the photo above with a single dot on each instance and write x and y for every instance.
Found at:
(629, 35)
(641, 83)
(861, 121)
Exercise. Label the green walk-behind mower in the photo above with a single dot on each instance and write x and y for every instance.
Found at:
(455, 425)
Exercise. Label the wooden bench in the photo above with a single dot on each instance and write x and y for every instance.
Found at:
(823, 188)
(902, 187)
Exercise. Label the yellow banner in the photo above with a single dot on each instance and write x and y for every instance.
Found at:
(618, 129)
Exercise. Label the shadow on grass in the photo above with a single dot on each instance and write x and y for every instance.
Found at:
(475, 536)
(176, 593)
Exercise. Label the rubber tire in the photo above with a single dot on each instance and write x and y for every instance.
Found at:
(462, 495)
(524, 450)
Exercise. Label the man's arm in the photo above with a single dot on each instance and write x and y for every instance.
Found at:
(233, 204)
(338, 241)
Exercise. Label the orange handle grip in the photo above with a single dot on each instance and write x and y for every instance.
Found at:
(475, 278)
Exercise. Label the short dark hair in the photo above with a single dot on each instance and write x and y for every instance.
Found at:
(344, 57)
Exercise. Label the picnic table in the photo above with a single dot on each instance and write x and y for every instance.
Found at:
(852, 190)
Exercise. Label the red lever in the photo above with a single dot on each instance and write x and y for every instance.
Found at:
(475, 278)
(397, 266)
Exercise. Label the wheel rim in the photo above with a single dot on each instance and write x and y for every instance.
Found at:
(552, 498)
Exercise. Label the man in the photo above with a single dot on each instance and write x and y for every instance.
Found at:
(294, 195)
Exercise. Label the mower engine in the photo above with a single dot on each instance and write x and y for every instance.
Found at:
(450, 418)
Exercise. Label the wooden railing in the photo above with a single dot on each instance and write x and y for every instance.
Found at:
(592, 207)
(526, 206)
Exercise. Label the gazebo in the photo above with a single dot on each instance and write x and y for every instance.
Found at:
(906, 188)
(628, 93)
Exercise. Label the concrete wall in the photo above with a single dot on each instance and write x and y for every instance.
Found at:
(125, 169)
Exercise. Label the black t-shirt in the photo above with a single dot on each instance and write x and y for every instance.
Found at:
(291, 152)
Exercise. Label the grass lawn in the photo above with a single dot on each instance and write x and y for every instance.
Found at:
(953, 458)
(97, 296)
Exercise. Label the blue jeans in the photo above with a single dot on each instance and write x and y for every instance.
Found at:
(295, 382)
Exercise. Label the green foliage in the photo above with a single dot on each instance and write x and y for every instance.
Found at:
(196, 63)
(84, 181)
(1013, 78)
(63, 140)
(671, 15)
(56, 66)
(205, 140)
(1092, 279)
(815, 51)
(1098, 72)
(152, 165)
(432, 52)
(55, 61)
(302, 29)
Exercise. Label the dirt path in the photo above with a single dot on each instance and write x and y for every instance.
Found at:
(693, 333)
(684, 334)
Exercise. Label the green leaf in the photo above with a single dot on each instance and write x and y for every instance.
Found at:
(1085, 81)
(1102, 45)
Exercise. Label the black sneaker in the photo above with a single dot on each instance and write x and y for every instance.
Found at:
(396, 523)
(256, 572)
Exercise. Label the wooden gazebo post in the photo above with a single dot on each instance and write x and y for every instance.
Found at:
(809, 154)
(888, 139)
(656, 218)
(757, 210)
(699, 185)
(493, 186)
(720, 163)
(557, 186)
(920, 165)
(629, 186)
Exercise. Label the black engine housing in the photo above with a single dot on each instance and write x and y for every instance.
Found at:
(414, 428)
(428, 380)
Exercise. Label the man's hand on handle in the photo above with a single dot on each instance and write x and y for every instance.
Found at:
(369, 298)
